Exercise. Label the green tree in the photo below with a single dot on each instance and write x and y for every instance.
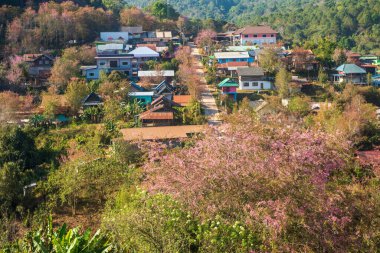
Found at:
(76, 91)
(162, 10)
(269, 60)
(283, 77)
(322, 76)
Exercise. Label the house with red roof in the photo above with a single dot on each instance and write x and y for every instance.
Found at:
(255, 35)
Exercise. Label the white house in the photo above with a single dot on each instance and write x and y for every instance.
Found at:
(255, 35)
(253, 78)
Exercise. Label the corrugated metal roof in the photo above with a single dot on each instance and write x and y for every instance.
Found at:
(255, 30)
(154, 73)
(142, 93)
(144, 52)
(231, 55)
(253, 71)
(228, 83)
(350, 69)
(157, 115)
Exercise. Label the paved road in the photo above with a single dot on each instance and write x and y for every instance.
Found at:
(207, 100)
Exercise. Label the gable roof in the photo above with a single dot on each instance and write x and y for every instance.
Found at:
(144, 52)
(350, 69)
(34, 57)
(228, 83)
(255, 29)
(229, 55)
(161, 87)
(252, 71)
(92, 99)
(136, 87)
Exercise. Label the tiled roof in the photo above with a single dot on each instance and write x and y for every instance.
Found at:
(255, 29)
(350, 69)
(253, 71)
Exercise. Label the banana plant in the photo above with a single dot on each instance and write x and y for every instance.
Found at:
(62, 240)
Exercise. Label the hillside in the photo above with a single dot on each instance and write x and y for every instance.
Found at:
(352, 24)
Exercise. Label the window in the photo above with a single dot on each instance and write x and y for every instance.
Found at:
(40, 62)
(47, 62)
(255, 84)
(246, 84)
(272, 35)
(246, 36)
(124, 63)
(264, 35)
(102, 63)
(113, 64)
(91, 74)
(255, 35)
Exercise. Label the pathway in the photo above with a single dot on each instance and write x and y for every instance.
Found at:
(207, 100)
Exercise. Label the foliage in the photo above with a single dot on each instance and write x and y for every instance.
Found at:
(87, 179)
(251, 173)
(140, 222)
(20, 165)
(190, 114)
(61, 240)
(205, 38)
(76, 91)
(163, 10)
(299, 106)
(269, 60)
(55, 26)
(283, 78)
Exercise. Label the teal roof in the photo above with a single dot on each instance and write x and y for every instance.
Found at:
(228, 83)
(350, 69)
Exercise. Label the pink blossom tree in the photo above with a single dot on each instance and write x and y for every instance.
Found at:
(17, 69)
(277, 177)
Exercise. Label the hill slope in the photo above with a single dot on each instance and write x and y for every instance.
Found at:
(348, 23)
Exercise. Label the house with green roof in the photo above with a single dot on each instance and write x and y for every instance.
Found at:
(229, 87)
(350, 73)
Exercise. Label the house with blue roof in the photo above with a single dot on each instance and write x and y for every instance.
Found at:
(350, 73)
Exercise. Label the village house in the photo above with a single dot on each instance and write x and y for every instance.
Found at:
(161, 112)
(253, 78)
(225, 57)
(39, 65)
(254, 35)
(301, 60)
(92, 100)
(229, 87)
(350, 73)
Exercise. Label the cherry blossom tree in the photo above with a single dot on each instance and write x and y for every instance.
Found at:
(278, 178)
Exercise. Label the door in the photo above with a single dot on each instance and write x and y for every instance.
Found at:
(113, 64)
(261, 86)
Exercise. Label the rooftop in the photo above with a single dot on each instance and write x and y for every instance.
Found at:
(350, 69)
(182, 100)
(155, 73)
(229, 55)
(144, 52)
(228, 83)
(255, 29)
(157, 133)
(252, 71)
